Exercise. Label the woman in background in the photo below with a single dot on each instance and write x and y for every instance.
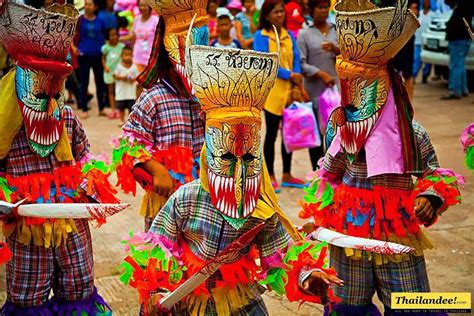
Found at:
(212, 20)
(318, 48)
(87, 46)
(143, 34)
(273, 14)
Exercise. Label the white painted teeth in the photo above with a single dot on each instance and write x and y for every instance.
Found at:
(217, 183)
(251, 194)
(223, 186)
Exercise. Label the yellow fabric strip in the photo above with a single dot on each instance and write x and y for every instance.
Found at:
(63, 150)
(52, 233)
(10, 114)
(227, 300)
(267, 204)
(420, 242)
(151, 204)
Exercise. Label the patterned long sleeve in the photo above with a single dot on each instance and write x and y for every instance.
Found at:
(437, 184)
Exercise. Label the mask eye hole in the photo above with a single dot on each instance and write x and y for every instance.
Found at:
(41, 96)
(351, 108)
(248, 157)
(228, 156)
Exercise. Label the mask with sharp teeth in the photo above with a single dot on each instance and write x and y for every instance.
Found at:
(38, 41)
(234, 161)
(368, 38)
(40, 96)
(232, 86)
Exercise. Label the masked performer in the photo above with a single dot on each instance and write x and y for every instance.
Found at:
(233, 197)
(365, 185)
(164, 133)
(42, 148)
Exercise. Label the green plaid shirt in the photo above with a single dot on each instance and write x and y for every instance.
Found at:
(189, 216)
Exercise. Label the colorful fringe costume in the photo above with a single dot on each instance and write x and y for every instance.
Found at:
(467, 142)
(233, 195)
(364, 187)
(165, 124)
(44, 158)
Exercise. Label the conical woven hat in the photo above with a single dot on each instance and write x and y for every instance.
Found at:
(371, 35)
(42, 33)
(231, 78)
(167, 8)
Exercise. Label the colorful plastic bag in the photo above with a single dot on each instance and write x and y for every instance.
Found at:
(328, 101)
(300, 127)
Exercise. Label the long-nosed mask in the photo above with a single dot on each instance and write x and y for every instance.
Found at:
(234, 161)
(232, 86)
(369, 37)
(40, 94)
(38, 41)
(176, 15)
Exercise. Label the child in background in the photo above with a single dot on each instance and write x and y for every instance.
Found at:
(125, 85)
(224, 24)
(125, 22)
(294, 17)
(111, 52)
(244, 25)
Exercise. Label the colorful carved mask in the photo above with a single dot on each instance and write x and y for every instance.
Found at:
(368, 38)
(40, 96)
(38, 41)
(234, 161)
(177, 16)
(232, 86)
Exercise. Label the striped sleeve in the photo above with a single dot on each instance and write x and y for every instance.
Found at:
(141, 122)
(168, 221)
(273, 238)
(430, 163)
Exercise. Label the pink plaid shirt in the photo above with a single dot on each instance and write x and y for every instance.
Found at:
(163, 119)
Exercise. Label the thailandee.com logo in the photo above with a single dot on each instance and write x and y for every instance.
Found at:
(432, 302)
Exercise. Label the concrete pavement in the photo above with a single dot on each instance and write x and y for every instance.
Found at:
(449, 264)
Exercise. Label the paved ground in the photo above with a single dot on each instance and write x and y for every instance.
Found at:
(450, 264)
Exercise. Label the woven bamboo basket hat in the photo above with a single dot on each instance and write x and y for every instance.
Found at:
(372, 35)
(230, 79)
(45, 33)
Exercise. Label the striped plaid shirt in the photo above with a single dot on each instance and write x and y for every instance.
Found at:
(355, 174)
(189, 216)
(164, 119)
(22, 160)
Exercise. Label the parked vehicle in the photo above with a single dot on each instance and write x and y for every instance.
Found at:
(435, 48)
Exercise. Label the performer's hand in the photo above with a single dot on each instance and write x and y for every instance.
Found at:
(424, 211)
(154, 307)
(308, 228)
(162, 181)
(318, 284)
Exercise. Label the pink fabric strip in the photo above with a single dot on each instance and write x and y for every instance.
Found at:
(273, 261)
(383, 148)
